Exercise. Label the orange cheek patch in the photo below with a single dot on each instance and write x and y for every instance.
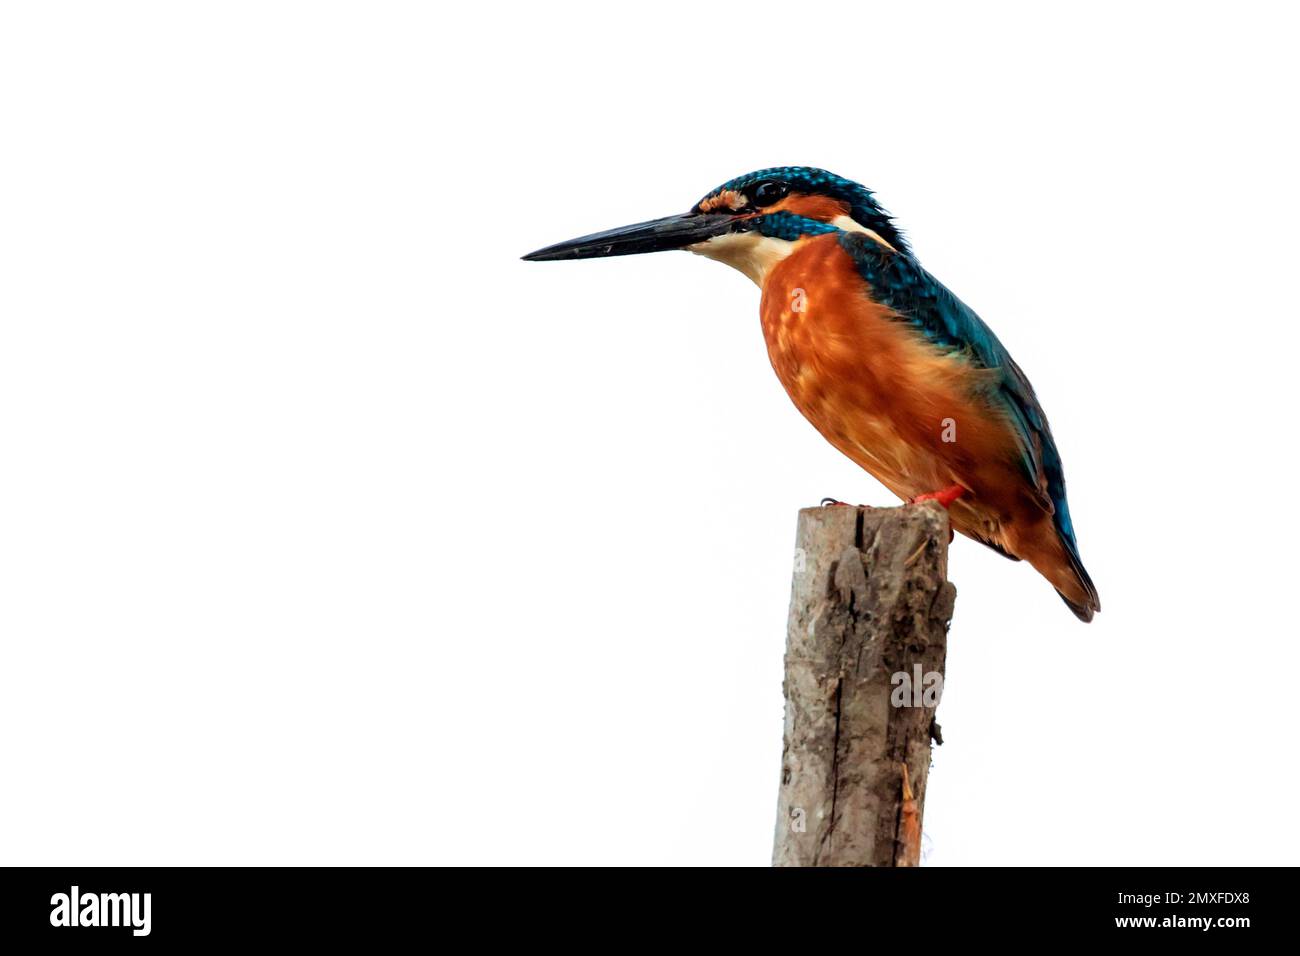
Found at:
(822, 208)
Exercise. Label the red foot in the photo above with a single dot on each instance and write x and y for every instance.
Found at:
(945, 497)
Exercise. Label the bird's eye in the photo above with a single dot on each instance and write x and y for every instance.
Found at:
(766, 193)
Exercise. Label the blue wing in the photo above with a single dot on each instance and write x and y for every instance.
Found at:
(898, 281)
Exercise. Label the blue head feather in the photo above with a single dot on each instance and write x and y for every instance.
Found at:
(863, 207)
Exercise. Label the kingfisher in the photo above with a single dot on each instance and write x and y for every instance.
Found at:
(886, 363)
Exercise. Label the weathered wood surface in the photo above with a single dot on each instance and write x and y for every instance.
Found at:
(870, 601)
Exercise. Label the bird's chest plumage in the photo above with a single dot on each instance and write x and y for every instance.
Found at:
(869, 383)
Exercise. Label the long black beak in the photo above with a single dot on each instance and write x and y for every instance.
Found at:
(671, 232)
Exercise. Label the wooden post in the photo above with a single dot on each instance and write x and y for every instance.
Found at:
(870, 601)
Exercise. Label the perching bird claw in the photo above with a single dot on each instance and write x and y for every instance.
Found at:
(945, 496)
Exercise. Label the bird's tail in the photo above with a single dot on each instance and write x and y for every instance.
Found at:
(1055, 555)
(1068, 574)
(1070, 577)
(1079, 594)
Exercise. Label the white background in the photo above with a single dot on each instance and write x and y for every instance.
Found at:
(331, 532)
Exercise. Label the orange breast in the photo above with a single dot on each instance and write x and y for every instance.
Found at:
(910, 414)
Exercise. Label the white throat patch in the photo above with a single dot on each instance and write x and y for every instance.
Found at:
(751, 253)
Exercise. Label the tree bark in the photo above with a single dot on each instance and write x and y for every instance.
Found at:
(870, 601)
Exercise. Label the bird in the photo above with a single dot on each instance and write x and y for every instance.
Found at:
(893, 369)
